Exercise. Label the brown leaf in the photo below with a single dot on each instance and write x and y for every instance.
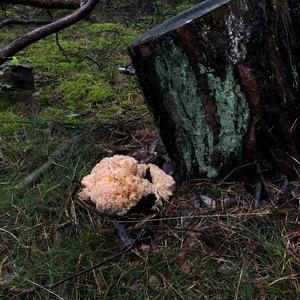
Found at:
(201, 201)
(145, 248)
(185, 267)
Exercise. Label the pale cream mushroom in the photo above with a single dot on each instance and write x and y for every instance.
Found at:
(118, 183)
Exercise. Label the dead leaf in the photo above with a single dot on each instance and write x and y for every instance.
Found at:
(185, 267)
(209, 203)
(145, 248)
(201, 201)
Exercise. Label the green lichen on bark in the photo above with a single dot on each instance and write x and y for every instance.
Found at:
(233, 110)
(195, 140)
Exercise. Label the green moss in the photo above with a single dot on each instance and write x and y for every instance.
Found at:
(105, 26)
(183, 6)
(5, 103)
(10, 124)
(127, 104)
(52, 114)
(45, 56)
(83, 89)
(78, 83)
(15, 61)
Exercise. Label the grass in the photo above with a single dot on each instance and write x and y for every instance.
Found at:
(46, 233)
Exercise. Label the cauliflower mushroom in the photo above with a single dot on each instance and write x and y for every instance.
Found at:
(118, 183)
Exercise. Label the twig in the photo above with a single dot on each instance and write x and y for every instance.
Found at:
(236, 169)
(236, 297)
(94, 61)
(100, 263)
(262, 180)
(36, 174)
(44, 288)
(82, 272)
(228, 215)
(9, 233)
(122, 233)
(258, 191)
(61, 49)
(88, 269)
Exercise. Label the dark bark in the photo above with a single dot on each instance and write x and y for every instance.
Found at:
(46, 30)
(222, 83)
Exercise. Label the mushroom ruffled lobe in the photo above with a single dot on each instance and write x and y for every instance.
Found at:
(118, 183)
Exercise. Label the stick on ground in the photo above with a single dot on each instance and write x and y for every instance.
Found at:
(37, 173)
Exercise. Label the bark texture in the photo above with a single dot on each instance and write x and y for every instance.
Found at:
(222, 83)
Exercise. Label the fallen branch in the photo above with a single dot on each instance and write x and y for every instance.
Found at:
(36, 174)
(46, 30)
(236, 169)
(52, 4)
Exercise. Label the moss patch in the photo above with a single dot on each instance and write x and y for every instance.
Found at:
(83, 89)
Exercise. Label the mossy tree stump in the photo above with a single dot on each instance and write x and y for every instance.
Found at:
(221, 81)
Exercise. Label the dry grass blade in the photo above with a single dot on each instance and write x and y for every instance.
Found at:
(26, 292)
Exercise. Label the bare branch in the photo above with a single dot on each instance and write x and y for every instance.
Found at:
(51, 4)
(29, 291)
(44, 31)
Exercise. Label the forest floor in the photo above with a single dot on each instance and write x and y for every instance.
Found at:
(218, 247)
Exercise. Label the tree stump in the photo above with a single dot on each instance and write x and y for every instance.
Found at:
(222, 83)
(16, 81)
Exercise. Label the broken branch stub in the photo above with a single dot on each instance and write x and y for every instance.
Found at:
(16, 81)
(221, 81)
(16, 77)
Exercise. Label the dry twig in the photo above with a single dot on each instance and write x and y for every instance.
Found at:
(36, 174)
(17, 292)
